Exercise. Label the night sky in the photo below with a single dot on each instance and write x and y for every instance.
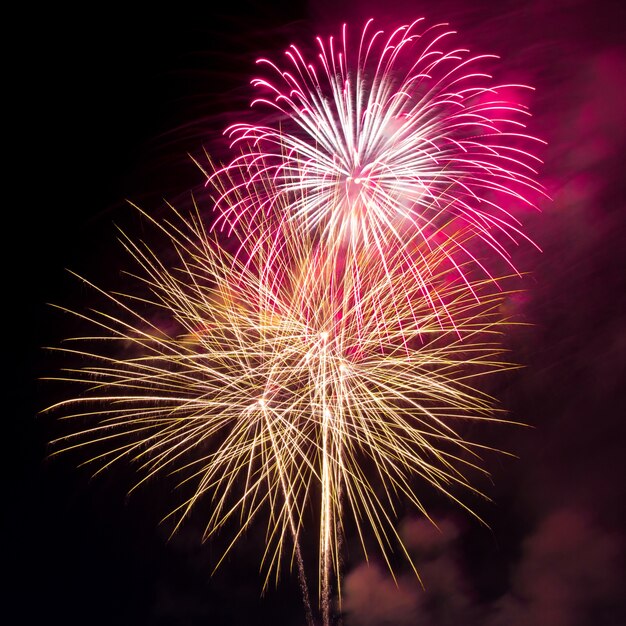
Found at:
(109, 107)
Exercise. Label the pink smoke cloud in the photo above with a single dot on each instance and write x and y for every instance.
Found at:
(569, 573)
(569, 570)
(373, 598)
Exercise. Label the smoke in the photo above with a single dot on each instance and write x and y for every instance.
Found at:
(569, 573)
(373, 598)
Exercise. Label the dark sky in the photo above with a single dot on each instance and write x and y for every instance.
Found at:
(108, 106)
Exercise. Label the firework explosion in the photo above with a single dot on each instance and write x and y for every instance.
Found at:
(329, 360)
(395, 135)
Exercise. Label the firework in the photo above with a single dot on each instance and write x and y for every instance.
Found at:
(377, 140)
(308, 373)
(267, 386)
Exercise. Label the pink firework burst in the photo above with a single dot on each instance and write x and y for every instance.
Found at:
(373, 144)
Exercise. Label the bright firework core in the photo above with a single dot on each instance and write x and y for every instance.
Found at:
(355, 186)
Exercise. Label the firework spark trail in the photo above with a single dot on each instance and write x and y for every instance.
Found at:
(265, 392)
(405, 133)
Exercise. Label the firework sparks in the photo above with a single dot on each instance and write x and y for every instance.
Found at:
(265, 383)
(399, 133)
